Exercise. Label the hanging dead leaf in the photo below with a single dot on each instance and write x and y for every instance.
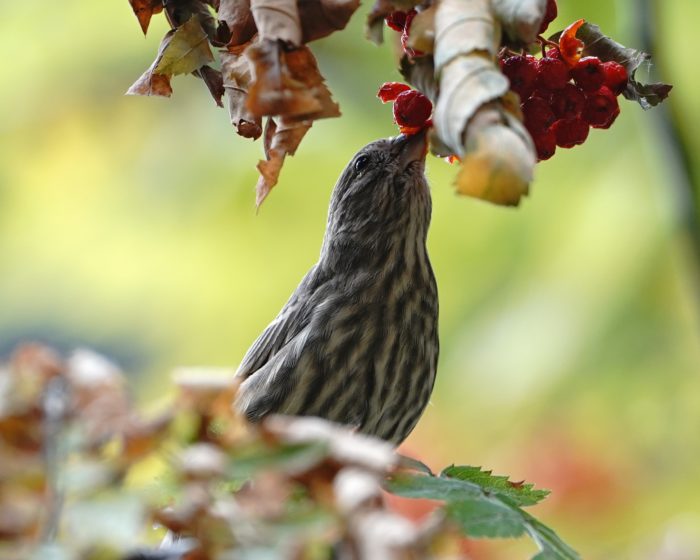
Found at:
(236, 73)
(320, 18)
(499, 158)
(239, 19)
(521, 19)
(280, 140)
(144, 9)
(470, 118)
(182, 50)
(179, 12)
(277, 20)
(214, 82)
(287, 83)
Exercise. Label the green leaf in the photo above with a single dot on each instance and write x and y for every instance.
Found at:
(290, 458)
(483, 505)
(522, 494)
(487, 518)
(187, 50)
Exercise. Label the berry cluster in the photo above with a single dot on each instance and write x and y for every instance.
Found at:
(559, 102)
(562, 94)
(401, 22)
(412, 109)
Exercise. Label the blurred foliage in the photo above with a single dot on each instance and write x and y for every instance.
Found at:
(569, 326)
(290, 488)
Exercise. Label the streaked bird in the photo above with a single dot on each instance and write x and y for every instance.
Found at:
(357, 342)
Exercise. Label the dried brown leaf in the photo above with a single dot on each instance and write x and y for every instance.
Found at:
(277, 20)
(180, 12)
(274, 90)
(521, 19)
(239, 19)
(214, 82)
(280, 140)
(144, 9)
(472, 117)
(499, 158)
(236, 73)
(320, 18)
(462, 28)
(287, 83)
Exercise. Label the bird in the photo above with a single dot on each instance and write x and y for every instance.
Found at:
(357, 341)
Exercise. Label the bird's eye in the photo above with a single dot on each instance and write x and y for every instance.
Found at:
(361, 162)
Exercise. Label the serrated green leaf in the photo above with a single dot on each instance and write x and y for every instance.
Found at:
(486, 518)
(484, 505)
(522, 494)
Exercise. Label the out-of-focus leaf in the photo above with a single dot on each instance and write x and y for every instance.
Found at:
(521, 19)
(421, 35)
(320, 18)
(180, 12)
(470, 118)
(374, 26)
(144, 9)
(499, 158)
(277, 20)
(289, 458)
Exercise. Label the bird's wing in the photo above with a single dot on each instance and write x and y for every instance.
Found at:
(290, 321)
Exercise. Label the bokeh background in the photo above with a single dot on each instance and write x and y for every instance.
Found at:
(570, 326)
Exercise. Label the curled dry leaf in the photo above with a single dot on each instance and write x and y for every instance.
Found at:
(470, 117)
(214, 82)
(277, 20)
(144, 10)
(521, 19)
(235, 70)
(280, 140)
(239, 20)
(183, 50)
(287, 83)
(421, 34)
(320, 18)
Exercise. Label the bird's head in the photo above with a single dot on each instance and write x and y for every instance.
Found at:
(381, 192)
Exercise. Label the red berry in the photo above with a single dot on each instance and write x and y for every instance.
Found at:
(550, 13)
(412, 109)
(538, 115)
(552, 73)
(522, 72)
(601, 108)
(588, 73)
(568, 102)
(615, 76)
(570, 132)
(396, 20)
(554, 52)
(391, 90)
(545, 144)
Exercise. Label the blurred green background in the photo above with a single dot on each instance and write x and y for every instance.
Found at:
(569, 326)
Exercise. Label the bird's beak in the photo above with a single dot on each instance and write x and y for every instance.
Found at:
(410, 148)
